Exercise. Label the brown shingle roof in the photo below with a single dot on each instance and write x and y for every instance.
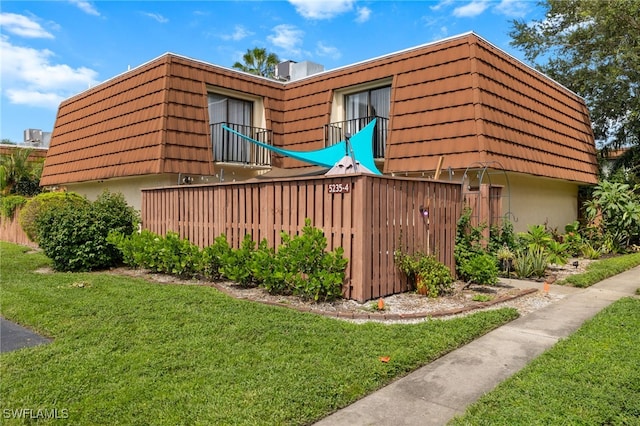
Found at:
(462, 98)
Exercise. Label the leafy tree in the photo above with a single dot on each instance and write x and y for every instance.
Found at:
(259, 62)
(593, 48)
(19, 174)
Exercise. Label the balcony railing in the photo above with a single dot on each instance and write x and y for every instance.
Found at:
(334, 132)
(231, 148)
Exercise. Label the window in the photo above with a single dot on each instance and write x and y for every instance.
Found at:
(237, 115)
(362, 107)
(370, 103)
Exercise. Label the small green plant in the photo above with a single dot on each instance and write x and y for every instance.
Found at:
(9, 204)
(589, 252)
(481, 298)
(469, 242)
(573, 238)
(424, 273)
(501, 235)
(505, 257)
(480, 269)
(557, 252)
(530, 262)
(537, 236)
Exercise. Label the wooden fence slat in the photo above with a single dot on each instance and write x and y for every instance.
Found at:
(377, 216)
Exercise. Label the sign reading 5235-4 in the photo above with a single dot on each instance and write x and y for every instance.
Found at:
(338, 188)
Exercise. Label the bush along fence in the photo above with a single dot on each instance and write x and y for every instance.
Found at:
(370, 217)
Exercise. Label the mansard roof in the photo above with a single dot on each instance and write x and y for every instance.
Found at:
(462, 98)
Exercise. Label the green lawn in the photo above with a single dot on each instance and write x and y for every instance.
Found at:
(591, 378)
(127, 351)
(603, 269)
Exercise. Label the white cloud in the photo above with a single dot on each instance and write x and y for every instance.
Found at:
(327, 51)
(86, 7)
(161, 19)
(441, 4)
(321, 9)
(22, 26)
(48, 100)
(513, 8)
(239, 33)
(363, 14)
(475, 8)
(29, 77)
(287, 37)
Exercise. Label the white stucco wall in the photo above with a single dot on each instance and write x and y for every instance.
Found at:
(129, 187)
(536, 201)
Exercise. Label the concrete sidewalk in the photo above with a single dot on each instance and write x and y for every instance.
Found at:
(435, 393)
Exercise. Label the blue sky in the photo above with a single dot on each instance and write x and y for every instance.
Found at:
(52, 50)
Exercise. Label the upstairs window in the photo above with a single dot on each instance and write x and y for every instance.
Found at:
(369, 103)
(237, 114)
(363, 107)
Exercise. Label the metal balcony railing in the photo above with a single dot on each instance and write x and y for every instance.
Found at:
(231, 148)
(334, 132)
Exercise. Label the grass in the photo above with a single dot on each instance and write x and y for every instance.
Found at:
(591, 378)
(127, 351)
(603, 269)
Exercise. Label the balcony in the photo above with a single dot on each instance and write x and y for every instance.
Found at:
(334, 132)
(231, 148)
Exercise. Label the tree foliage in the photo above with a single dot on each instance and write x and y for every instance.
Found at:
(259, 62)
(593, 48)
(19, 174)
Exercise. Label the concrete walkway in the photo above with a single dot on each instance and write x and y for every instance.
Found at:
(14, 337)
(435, 393)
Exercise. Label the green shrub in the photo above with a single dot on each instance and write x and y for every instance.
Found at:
(469, 241)
(166, 255)
(434, 278)
(74, 235)
(480, 269)
(501, 236)
(213, 257)
(9, 204)
(43, 202)
(137, 248)
(615, 209)
(302, 266)
(237, 263)
(424, 273)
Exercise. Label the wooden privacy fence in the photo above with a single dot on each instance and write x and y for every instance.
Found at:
(11, 231)
(369, 216)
